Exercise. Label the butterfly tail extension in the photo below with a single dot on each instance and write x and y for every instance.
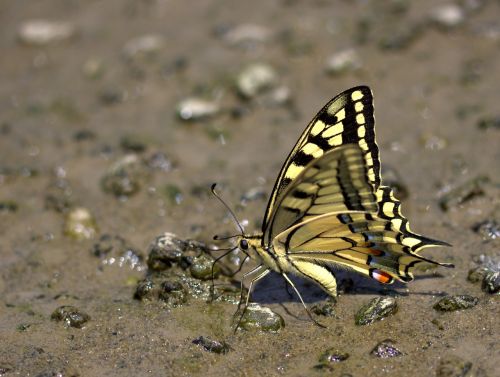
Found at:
(390, 210)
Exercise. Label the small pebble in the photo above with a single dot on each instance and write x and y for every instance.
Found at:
(453, 366)
(463, 193)
(491, 282)
(143, 46)
(488, 229)
(401, 38)
(490, 122)
(93, 68)
(175, 66)
(228, 293)
(159, 161)
(84, 135)
(252, 194)
(490, 261)
(326, 308)
(477, 274)
(203, 268)
(8, 206)
(343, 61)
(112, 96)
(164, 251)
(195, 109)
(487, 272)
(44, 32)
(246, 35)
(256, 317)
(173, 292)
(79, 224)
(125, 177)
(447, 16)
(5, 368)
(59, 194)
(71, 316)
(329, 357)
(457, 302)
(145, 290)
(433, 142)
(168, 249)
(386, 349)
(133, 143)
(439, 324)
(173, 193)
(376, 310)
(212, 345)
(196, 288)
(256, 79)
(115, 250)
(277, 96)
(21, 328)
(472, 71)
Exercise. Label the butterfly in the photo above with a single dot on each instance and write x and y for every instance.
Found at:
(328, 206)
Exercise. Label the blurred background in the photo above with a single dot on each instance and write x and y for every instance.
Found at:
(116, 116)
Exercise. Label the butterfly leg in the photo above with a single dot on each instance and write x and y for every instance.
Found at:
(302, 301)
(259, 272)
(287, 287)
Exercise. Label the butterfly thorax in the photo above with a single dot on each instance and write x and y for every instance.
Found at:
(252, 245)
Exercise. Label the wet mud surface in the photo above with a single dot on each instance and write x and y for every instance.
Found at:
(116, 117)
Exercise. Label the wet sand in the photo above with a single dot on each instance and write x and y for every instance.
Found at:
(77, 102)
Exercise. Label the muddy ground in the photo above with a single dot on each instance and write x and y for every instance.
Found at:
(77, 97)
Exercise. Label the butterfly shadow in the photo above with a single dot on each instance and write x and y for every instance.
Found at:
(273, 289)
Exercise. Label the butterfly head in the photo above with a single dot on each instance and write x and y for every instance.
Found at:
(246, 243)
(243, 243)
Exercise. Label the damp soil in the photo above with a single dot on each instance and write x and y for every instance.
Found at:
(75, 104)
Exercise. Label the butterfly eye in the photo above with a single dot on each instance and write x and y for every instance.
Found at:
(244, 244)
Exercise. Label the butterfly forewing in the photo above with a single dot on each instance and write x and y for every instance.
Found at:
(345, 120)
(335, 182)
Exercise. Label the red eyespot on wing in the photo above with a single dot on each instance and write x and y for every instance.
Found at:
(381, 276)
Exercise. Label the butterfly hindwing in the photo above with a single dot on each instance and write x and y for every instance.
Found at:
(345, 120)
(356, 240)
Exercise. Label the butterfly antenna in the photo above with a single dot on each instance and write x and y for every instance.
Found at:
(217, 238)
(227, 207)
